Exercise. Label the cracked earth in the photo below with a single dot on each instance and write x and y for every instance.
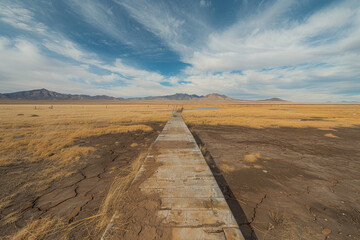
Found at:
(289, 183)
(78, 195)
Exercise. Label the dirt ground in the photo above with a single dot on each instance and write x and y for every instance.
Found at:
(79, 195)
(289, 183)
(136, 217)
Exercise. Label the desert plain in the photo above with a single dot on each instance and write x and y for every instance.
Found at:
(287, 170)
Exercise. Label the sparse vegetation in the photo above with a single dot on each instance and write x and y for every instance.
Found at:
(58, 228)
(50, 142)
(252, 157)
(322, 116)
(52, 134)
(295, 154)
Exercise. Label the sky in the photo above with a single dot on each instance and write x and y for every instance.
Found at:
(298, 50)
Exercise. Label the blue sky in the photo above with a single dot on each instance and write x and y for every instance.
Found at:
(297, 50)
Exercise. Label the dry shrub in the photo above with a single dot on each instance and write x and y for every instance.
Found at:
(134, 145)
(74, 153)
(226, 168)
(117, 196)
(252, 157)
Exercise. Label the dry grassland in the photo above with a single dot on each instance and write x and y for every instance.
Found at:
(322, 116)
(32, 132)
(46, 134)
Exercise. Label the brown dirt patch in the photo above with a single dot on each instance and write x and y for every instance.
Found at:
(303, 185)
(136, 217)
(74, 197)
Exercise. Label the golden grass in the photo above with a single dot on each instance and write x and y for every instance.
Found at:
(45, 228)
(48, 136)
(117, 196)
(330, 135)
(45, 136)
(322, 116)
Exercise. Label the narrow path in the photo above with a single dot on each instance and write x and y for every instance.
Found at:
(192, 205)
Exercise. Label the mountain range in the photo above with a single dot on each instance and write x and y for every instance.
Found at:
(44, 94)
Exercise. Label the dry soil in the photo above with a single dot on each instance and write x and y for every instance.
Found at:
(289, 183)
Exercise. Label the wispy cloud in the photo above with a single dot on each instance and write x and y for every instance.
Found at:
(102, 17)
(173, 23)
(327, 33)
(19, 17)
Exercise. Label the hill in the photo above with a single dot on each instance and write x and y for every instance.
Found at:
(186, 97)
(216, 96)
(177, 96)
(274, 99)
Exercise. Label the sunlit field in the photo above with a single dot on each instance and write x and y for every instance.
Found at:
(324, 116)
(45, 134)
(30, 132)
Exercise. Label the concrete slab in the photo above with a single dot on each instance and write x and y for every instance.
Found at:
(192, 204)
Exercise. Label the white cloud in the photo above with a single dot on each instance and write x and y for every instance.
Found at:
(24, 67)
(19, 17)
(325, 34)
(131, 72)
(66, 48)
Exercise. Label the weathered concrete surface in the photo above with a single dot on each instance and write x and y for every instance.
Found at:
(192, 204)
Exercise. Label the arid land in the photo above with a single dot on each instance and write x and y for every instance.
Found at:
(291, 171)
(58, 163)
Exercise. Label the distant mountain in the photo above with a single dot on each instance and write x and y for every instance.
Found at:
(177, 96)
(216, 96)
(185, 97)
(274, 99)
(43, 94)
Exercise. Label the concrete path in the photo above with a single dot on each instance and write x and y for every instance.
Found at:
(192, 204)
